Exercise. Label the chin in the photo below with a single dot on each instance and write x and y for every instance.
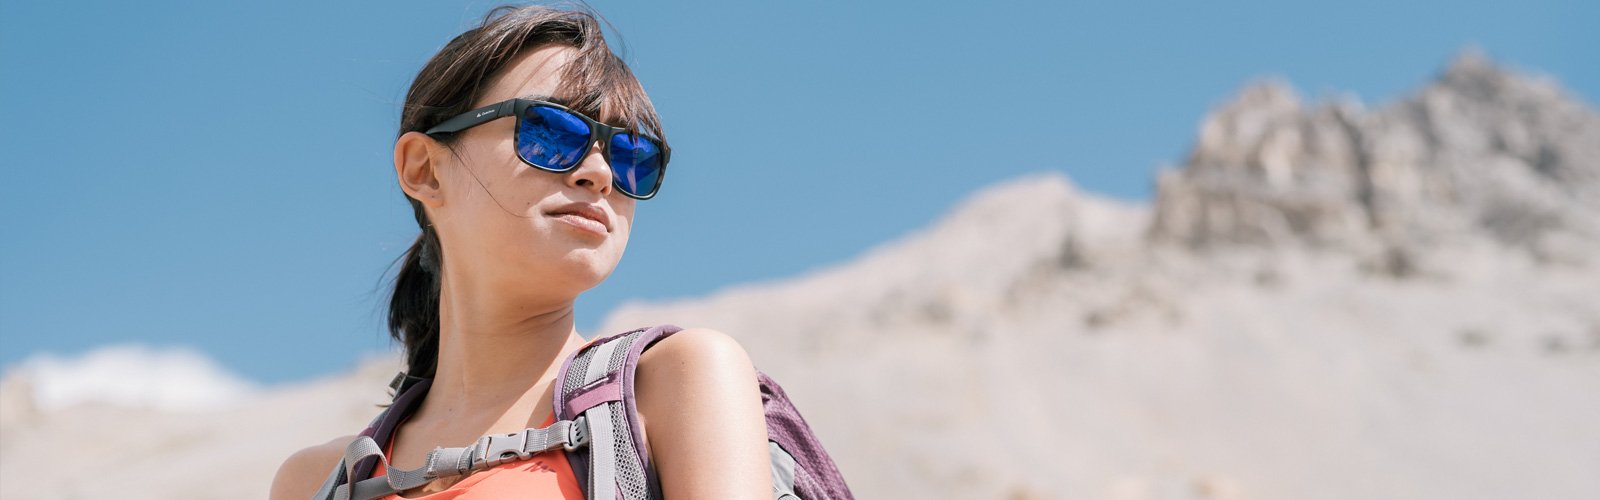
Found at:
(588, 270)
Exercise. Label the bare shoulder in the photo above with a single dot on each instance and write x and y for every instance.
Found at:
(696, 364)
(304, 471)
(701, 347)
(695, 387)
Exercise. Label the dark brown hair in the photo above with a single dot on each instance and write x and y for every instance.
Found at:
(595, 82)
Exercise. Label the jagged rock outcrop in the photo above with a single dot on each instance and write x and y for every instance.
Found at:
(1481, 151)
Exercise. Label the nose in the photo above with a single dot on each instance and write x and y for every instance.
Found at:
(593, 173)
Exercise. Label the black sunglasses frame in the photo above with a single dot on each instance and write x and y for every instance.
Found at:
(597, 132)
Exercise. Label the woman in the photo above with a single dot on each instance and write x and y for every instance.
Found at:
(484, 302)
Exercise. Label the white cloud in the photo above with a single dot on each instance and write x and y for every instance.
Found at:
(132, 375)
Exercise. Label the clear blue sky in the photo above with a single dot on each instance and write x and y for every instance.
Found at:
(217, 174)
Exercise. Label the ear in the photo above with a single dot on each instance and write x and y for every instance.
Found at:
(416, 167)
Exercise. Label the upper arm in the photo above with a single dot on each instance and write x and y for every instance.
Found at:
(701, 408)
(304, 471)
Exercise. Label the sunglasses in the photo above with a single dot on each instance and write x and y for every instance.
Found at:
(553, 138)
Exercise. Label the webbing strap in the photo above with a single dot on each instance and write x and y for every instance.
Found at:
(487, 452)
(602, 451)
(589, 396)
(600, 364)
(602, 454)
(335, 478)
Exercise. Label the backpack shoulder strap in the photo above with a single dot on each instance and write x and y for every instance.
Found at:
(597, 383)
(801, 467)
(352, 479)
(407, 395)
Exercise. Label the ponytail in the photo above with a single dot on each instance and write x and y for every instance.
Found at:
(414, 307)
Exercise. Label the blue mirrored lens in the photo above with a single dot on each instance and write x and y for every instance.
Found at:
(552, 138)
(636, 163)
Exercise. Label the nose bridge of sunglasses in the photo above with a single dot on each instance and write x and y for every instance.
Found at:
(597, 144)
(605, 159)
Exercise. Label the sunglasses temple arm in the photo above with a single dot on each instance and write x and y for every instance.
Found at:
(474, 117)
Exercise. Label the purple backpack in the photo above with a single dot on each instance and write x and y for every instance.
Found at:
(597, 424)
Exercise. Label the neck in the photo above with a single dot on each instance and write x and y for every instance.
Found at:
(497, 352)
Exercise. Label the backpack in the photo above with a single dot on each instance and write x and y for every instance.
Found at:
(597, 425)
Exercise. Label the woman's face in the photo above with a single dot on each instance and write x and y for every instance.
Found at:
(498, 221)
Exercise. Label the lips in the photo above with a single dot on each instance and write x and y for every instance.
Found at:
(586, 210)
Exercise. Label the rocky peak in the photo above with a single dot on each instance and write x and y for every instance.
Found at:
(1472, 72)
(1481, 151)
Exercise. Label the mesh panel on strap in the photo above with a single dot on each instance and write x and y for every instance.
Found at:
(576, 372)
(630, 473)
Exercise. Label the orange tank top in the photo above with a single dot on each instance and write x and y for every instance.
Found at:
(545, 476)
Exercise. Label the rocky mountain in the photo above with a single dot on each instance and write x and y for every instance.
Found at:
(1480, 151)
(1324, 301)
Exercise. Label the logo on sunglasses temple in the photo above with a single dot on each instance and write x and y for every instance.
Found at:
(481, 115)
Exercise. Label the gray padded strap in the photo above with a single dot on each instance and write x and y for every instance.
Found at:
(602, 453)
(600, 364)
(487, 452)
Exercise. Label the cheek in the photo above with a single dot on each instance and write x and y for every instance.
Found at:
(624, 229)
(624, 212)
